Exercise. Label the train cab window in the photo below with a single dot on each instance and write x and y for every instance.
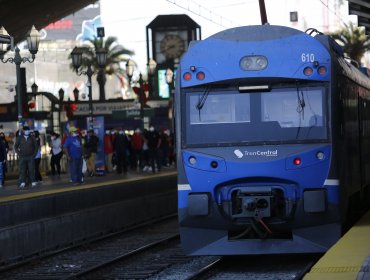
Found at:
(281, 115)
(219, 108)
(303, 108)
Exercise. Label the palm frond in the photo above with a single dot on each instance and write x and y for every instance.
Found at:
(353, 40)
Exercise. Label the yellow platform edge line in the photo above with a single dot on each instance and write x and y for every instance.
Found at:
(69, 188)
(345, 259)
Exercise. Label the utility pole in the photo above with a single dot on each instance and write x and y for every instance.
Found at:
(263, 12)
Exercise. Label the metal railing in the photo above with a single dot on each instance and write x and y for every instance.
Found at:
(12, 164)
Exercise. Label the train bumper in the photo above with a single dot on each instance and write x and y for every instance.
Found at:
(317, 239)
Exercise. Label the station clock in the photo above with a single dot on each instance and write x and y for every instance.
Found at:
(168, 37)
(170, 45)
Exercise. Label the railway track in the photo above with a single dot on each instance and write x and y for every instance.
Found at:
(76, 259)
(153, 251)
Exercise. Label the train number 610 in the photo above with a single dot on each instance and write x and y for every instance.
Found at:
(308, 57)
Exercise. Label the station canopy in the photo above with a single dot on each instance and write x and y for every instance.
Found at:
(18, 16)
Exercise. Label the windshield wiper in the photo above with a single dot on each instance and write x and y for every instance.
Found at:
(300, 109)
(202, 99)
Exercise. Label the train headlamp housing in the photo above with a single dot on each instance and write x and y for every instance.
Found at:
(253, 62)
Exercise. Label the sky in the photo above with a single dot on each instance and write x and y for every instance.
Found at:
(127, 20)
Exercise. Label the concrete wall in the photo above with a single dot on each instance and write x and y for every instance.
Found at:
(36, 225)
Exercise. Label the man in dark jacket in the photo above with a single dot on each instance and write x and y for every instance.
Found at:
(26, 148)
(120, 145)
(91, 148)
(154, 142)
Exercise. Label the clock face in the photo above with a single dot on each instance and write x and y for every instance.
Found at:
(172, 46)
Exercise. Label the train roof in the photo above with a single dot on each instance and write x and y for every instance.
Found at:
(256, 33)
(262, 33)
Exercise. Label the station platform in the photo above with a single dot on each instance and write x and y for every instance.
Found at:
(57, 213)
(349, 258)
(58, 184)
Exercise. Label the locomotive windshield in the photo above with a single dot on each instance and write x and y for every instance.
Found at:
(217, 117)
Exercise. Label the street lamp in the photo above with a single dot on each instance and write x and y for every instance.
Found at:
(33, 40)
(130, 67)
(101, 57)
(76, 93)
(34, 88)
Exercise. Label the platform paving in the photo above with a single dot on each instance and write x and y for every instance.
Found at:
(50, 182)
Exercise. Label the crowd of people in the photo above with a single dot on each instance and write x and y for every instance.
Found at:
(149, 151)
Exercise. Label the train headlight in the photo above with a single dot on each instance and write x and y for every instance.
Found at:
(253, 62)
(192, 160)
(261, 62)
(320, 155)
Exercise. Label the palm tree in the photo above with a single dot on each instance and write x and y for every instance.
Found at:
(116, 54)
(353, 40)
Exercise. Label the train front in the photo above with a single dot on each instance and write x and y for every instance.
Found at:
(253, 144)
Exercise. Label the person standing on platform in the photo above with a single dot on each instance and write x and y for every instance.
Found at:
(2, 162)
(38, 176)
(92, 149)
(2, 138)
(120, 148)
(154, 142)
(73, 150)
(26, 148)
(108, 151)
(56, 153)
(164, 147)
(137, 142)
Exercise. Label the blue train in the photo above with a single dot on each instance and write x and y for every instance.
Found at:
(273, 142)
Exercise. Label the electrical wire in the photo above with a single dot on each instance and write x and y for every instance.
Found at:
(265, 226)
(331, 11)
(203, 11)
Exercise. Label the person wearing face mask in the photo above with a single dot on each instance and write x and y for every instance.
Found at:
(137, 142)
(73, 150)
(154, 141)
(26, 148)
(120, 145)
(56, 153)
(108, 151)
